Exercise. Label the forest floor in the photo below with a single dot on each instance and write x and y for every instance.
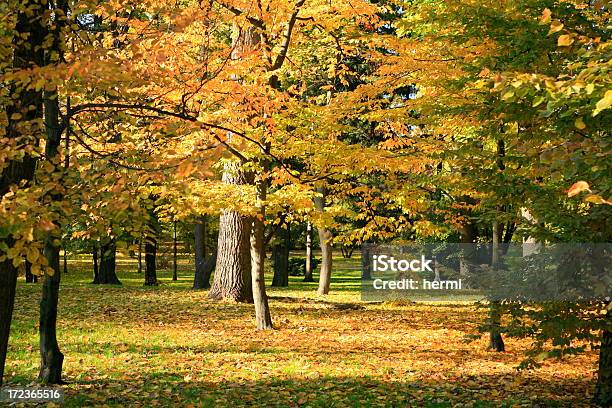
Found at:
(170, 346)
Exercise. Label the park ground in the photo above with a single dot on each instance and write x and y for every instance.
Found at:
(169, 346)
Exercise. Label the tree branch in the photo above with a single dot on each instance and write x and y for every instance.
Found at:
(280, 58)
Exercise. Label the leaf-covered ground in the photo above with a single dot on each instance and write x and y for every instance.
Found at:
(171, 346)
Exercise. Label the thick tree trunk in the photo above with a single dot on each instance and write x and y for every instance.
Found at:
(232, 278)
(258, 256)
(308, 271)
(174, 255)
(8, 282)
(325, 237)
(107, 274)
(201, 279)
(603, 389)
(280, 258)
(27, 103)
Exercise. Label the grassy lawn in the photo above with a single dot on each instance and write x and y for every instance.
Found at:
(170, 346)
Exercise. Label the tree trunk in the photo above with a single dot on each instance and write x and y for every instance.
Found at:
(603, 388)
(151, 235)
(232, 278)
(51, 356)
(28, 52)
(174, 255)
(8, 282)
(95, 264)
(280, 257)
(258, 256)
(150, 261)
(65, 261)
(308, 272)
(107, 274)
(325, 237)
(496, 342)
(366, 270)
(29, 276)
(140, 255)
(201, 280)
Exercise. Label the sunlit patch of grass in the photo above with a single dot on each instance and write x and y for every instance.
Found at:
(132, 345)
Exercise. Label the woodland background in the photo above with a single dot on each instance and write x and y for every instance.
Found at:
(179, 178)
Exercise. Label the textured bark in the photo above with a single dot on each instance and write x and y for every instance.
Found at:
(258, 256)
(201, 279)
(27, 53)
(603, 389)
(232, 278)
(308, 272)
(107, 274)
(280, 258)
(325, 237)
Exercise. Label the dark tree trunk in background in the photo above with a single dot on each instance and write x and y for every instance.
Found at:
(308, 271)
(258, 256)
(29, 276)
(603, 389)
(280, 259)
(200, 279)
(65, 261)
(174, 255)
(232, 278)
(325, 237)
(151, 235)
(95, 264)
(280, 263)
(28, 52)
(140, 255)
(496, 342)
(150, 260)
(107, 274)
(366, 269)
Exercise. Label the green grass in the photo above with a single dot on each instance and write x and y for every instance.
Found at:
(170, 346)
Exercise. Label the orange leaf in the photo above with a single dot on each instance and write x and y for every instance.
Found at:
(578, 188)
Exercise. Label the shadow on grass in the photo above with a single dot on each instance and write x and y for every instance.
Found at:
(168, 389)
